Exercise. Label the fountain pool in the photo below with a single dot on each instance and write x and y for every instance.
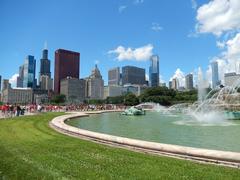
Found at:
(170, 128)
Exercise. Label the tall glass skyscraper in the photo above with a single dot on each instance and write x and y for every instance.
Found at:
(215, 76)
(29, 72)
(189, 82)
(20, 78)
(154, 71)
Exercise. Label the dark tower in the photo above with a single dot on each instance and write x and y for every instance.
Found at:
(66, 64)
(0, 82)
(45, 64)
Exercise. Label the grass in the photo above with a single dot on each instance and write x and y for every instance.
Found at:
(29, 149)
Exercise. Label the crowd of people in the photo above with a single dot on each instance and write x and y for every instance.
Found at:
(11, 110)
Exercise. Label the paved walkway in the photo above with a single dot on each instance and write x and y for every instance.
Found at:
(2, 116)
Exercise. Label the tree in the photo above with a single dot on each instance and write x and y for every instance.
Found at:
(115, 100)
(59, 99)
(167, 97)
(96, 101)
(131, 100)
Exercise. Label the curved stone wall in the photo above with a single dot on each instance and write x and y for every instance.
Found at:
(212, 156)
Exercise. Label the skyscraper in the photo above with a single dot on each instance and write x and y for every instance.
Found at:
(29, 72)
(189, 82)
(45, 80)
(175, 84)
(170, 85)
(45, 64)
(133, 75)
(114, 76)
(46, 83)
(95, 85)
(0, 83)
(66, 65)
(20, 77)
(154, 71)
(215, 76)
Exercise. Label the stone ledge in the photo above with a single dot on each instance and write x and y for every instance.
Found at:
(226, 158)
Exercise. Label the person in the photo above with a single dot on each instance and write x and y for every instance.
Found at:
(18, 110)
(39, 108)
(11, 110)
(23, 110)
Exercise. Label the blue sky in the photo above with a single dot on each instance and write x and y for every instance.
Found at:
(96, 27)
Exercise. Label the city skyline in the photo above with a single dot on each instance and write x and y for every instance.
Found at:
(110, 33)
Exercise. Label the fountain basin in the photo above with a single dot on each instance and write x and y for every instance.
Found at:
(177, 129)
(226, 158)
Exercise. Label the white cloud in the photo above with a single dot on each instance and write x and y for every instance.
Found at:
(136, 2)
(179, 75)
(121, 8)
(218, 16)
(233, 47)
(13, 80)
(192, 34)
(220, 44)
(156, 27)
(194, 4)
(147, 77)
(138, 54)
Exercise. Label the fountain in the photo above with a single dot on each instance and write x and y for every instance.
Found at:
(214, 107)
(201, 86)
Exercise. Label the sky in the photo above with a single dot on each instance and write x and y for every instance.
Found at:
(186, 34)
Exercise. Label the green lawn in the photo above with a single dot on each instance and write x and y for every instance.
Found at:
(29, 149)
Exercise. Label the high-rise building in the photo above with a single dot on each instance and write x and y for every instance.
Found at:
(114, 76)
(154, 71)
(133, 75)
(73, 89)
(66, 65)
(20, 77)
(175, 84)
(231, 79)
(46, 83)
(29, 72)
(95, 85)
(170, 84)
(0, 83)
(215, 75)
(189, 82)
(45, 64)
(112, 91)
